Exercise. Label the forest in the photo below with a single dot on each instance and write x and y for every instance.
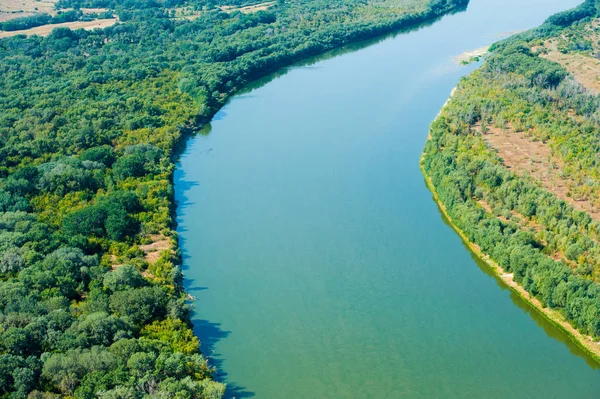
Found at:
(92, 302)
(551, 249)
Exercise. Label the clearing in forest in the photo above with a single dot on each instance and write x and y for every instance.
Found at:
(583, 64)
(524, 156)
(248, 9)
(585, 69)
(158, 244)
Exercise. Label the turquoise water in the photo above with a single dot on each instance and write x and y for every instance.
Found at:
(321, 266)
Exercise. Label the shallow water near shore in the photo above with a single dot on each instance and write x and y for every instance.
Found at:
(320, 264)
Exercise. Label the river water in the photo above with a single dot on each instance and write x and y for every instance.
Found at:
(320, 264)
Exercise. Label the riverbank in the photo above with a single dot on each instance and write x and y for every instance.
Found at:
(585, 342)
(543, 247)
(312, 50)
(111, 215)
(325, 229)
(471, 56)
(365, 34)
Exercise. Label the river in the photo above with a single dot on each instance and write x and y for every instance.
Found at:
(320, 264)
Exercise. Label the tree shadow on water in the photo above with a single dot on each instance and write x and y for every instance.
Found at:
(210, 334)
(541, 320)
(183, 201)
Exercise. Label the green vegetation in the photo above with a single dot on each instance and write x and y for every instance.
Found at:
(552, 249)
(90, 123)
(44, 19)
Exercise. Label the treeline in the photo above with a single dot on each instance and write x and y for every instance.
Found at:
(120, 4)
(40, 19)
(552, 249)
(90, 122)
(566, 18)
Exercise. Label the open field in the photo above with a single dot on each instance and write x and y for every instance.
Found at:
(11, 9)
(188, 13)
(32, 6)
(46, 29)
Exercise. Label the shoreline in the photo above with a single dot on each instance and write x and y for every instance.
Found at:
(472, 56)
(198, 122)
(584, 342)
(405, 23)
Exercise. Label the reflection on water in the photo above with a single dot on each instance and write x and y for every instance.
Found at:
(319, 263)
(350, 48)
(551, 330)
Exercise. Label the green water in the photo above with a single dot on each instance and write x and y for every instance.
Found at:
(322, 267)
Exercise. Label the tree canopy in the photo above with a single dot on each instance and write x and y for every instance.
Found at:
(552, 249)
(90, 125)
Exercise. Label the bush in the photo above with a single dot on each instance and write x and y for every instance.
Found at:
(123, 278)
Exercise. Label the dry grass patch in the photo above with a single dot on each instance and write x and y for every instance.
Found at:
(45, 30)
(11, 9)
(585, 69)
(188, 13)
(248, 9)
(524, 156)
(32, 6)
(43, 7)
(93, 10)
(159, 244)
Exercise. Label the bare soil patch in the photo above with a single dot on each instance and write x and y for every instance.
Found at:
(159, 244)
(524, 156)
(45, 30)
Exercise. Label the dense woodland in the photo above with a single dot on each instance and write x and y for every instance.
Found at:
(90, 125)
(552, 249)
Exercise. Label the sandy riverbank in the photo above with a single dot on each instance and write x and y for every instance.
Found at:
(585, 342)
